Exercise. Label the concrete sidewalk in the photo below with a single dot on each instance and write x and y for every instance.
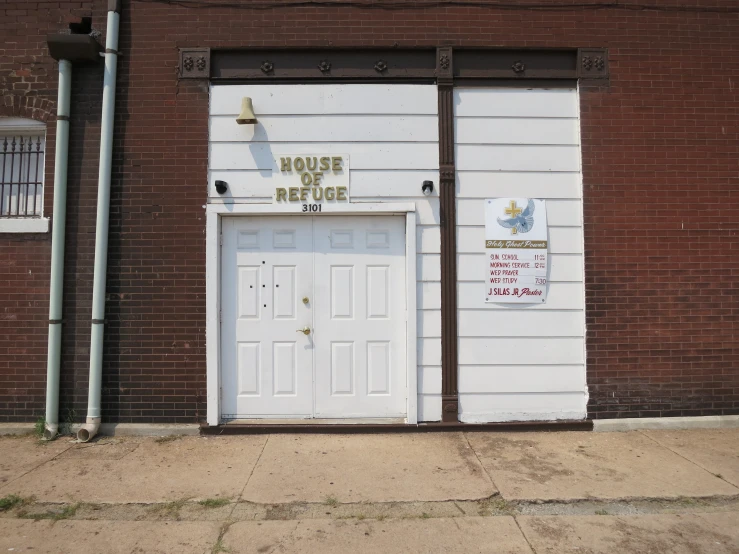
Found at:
(639, 491)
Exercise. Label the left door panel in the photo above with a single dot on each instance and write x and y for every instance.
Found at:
(267, 271)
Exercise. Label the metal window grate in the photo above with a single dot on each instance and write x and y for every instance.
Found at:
(21, 175)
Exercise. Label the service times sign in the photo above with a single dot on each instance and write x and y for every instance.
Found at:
(516, 250)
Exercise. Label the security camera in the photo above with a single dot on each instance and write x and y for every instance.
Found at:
(427, 188)
(221, 187)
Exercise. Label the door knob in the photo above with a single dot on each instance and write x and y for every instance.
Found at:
(305, 300)
(305, 330)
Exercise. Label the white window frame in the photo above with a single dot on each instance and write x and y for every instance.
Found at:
(36, 224)
(214, 216)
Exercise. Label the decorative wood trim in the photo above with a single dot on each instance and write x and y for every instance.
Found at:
(195, 63)
(443, 65)
(515, 64)
(448, 228)
(367, 428)
(592, 63)
(375, 65)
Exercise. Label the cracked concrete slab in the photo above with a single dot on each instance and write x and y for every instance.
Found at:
(367, 468)
(571, 465)
(111, 537)
(717, 450)
(710, 533)
(23, 454)
(498, 535)
(151, 471)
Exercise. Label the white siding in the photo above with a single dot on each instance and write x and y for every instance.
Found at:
(391, 135)
(520, 362)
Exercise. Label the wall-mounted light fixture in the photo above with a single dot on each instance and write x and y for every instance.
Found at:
(221, 187)
(427, 188)
(247, 112)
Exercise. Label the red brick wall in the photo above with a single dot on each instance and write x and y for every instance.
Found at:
(660, 151)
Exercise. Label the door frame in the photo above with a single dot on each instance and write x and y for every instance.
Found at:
(213, 240)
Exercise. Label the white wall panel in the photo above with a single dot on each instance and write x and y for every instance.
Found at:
(508, 130)
(391, 135)
(515, 102)
(428, 268)
(428, 323)
(429, 379)
(428, 239)
(521, 378)
(520, 361)
(395, 184)
(429, 407)
(429, 351)
(530, 184)
(477, 408)
(427, 210)
(486, 157)
(325, 99)
(523, 350)
(320, 128)
(428, 295)
(516, 323)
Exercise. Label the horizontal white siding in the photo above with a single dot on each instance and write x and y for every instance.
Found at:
(503, 157)
(326, 99)
(363, 155)
(524, 361)
(391, 135)
(531, 184)
(322, 128)
(521, 378)
(476, 408)
(517, 103)
(492, 130)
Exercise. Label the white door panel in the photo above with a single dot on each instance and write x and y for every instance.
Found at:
(360, 316)
(343, 278)
(267, 367)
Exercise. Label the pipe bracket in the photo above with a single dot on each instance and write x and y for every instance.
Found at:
(99, 321)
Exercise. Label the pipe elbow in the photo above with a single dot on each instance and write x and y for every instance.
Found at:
(50, 431)
(89, 429)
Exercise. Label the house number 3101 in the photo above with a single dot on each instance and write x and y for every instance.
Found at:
(311, 207)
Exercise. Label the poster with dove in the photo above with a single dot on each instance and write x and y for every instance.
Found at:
(516, 250)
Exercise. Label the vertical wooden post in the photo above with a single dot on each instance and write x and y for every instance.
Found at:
(448, 225)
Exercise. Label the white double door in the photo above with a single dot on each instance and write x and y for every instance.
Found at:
(313, 317)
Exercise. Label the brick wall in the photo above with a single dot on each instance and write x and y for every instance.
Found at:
(660, 151)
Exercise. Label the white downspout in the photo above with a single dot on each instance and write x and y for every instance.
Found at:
(92, 424)
(59, 220)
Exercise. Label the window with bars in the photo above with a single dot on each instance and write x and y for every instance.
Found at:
(22, 146)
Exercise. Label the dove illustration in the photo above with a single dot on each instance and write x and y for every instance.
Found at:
(523, 222)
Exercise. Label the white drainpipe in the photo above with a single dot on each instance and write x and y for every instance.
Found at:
(59, 220)
(92, 424)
